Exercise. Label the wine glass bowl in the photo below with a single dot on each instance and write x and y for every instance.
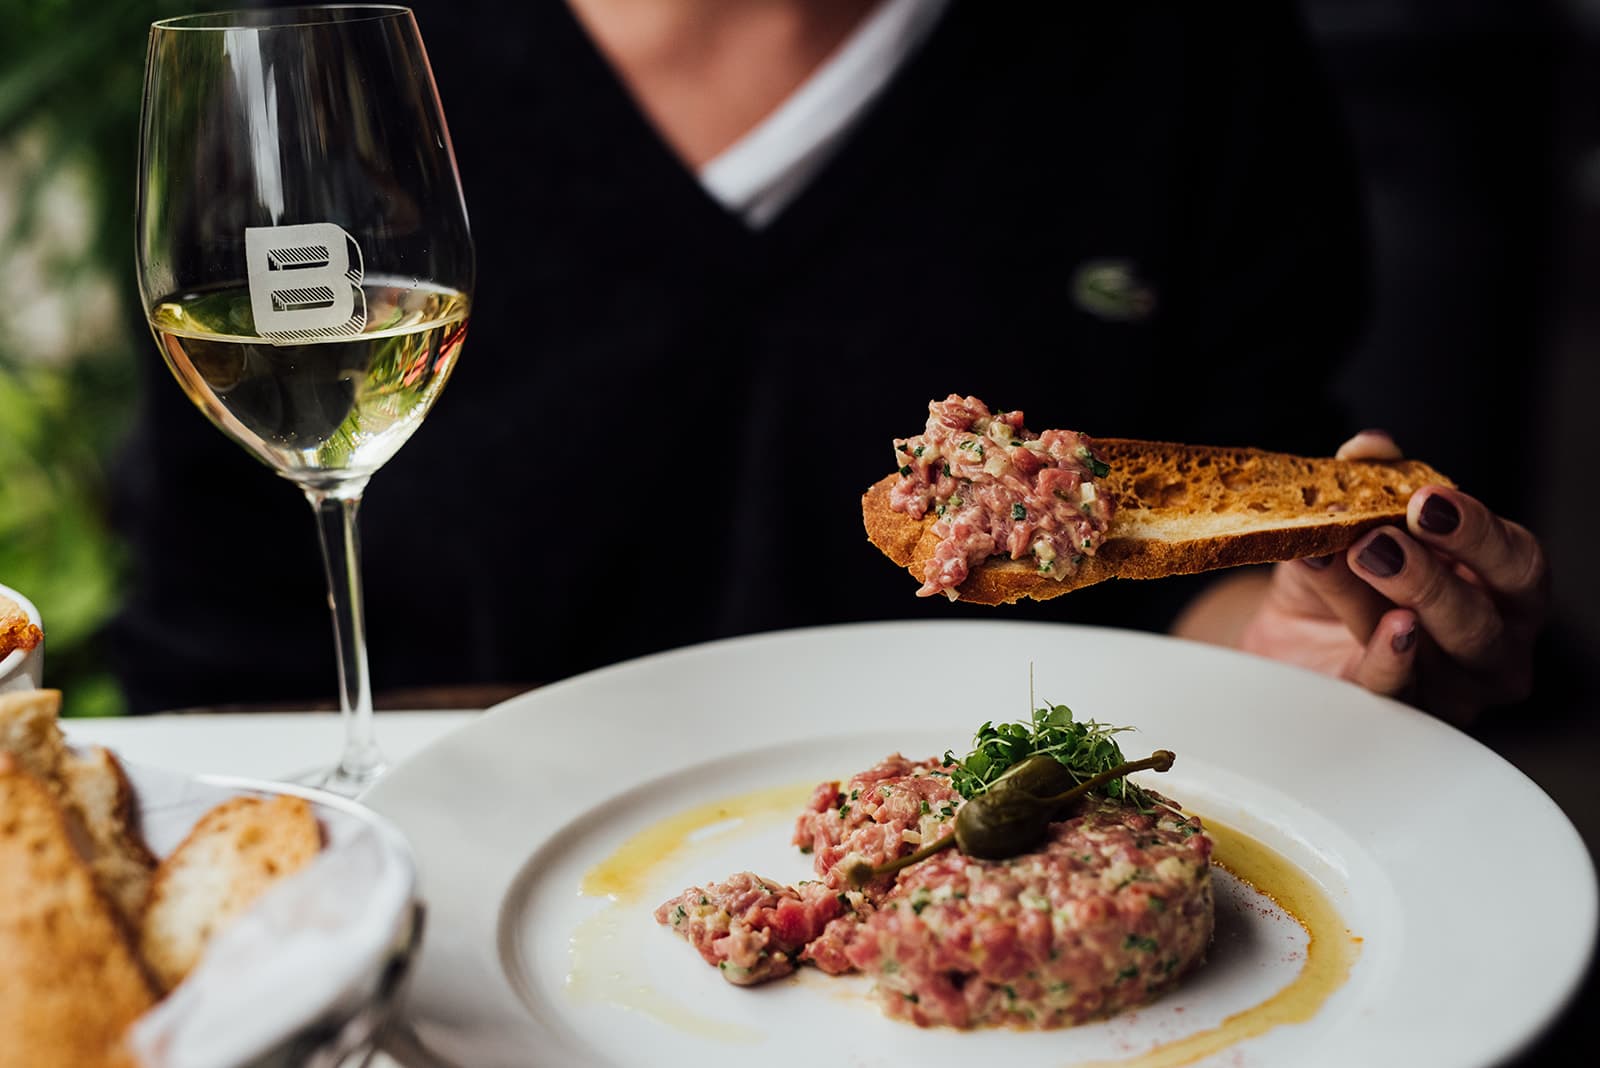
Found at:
(305, 261)
(323, 413)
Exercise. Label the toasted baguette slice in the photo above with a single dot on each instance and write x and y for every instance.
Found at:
(120, 861)
(29, 730)
(1182, 509)
(233, 854)
(97, 800)
(69, 982)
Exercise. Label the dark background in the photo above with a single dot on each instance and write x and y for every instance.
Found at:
(1477, 126)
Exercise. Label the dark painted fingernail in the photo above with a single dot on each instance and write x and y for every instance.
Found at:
(1405, 640)
(1439, 516)
(1318, 562)
(1382, 556)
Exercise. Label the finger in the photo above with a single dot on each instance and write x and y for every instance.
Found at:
(1505, 555)
(1369, 445)
(1388, 663)
(1463, 620)
(1328, 581)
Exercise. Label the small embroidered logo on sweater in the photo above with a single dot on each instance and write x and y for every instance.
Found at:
(1111, 290)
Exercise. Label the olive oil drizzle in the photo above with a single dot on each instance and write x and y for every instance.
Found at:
(624, 875)
(1331, 951)
(601, 958)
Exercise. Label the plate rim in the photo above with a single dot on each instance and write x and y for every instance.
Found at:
(558, 691)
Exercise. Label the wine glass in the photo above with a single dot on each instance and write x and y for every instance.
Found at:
(305, 262)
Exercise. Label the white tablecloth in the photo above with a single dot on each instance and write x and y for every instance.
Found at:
(258, 745)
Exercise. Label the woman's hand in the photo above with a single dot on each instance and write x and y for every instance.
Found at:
(1442, 614)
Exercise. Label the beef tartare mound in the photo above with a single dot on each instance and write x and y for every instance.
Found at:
(1109, 911)
(1113, 908)
(881, 814)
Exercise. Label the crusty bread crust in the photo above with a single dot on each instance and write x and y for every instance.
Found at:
(69, 984)
(30, 731)
(95, 795)
(1183, 509)
(102, 799)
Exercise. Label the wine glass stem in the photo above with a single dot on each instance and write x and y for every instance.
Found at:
(362, 762)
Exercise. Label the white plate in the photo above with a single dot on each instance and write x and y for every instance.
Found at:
(1472, 893)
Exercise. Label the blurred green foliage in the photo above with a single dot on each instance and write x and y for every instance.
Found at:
(71, 75)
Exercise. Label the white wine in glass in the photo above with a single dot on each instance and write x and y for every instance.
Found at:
(305, 262)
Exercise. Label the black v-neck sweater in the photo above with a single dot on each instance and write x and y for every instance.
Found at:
(1135, 222)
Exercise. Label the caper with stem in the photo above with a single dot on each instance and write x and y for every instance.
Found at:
(1014, 814)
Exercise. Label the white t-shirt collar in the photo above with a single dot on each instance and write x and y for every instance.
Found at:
(757, 176)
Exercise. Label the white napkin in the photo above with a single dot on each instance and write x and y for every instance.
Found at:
(310, 944)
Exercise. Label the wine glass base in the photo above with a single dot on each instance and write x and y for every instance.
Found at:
(338, 780)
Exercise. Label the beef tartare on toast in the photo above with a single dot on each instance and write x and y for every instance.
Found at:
(1106, 909)
(982, 509)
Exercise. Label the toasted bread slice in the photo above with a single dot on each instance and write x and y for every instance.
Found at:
(230, 858)
(1182, 509)
(69, 983)
(29, 730)
(97, 800)
(120, 861)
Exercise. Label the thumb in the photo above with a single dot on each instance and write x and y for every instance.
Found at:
(1369, 445)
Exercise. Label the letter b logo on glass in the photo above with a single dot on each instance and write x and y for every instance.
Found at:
(305, 282)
